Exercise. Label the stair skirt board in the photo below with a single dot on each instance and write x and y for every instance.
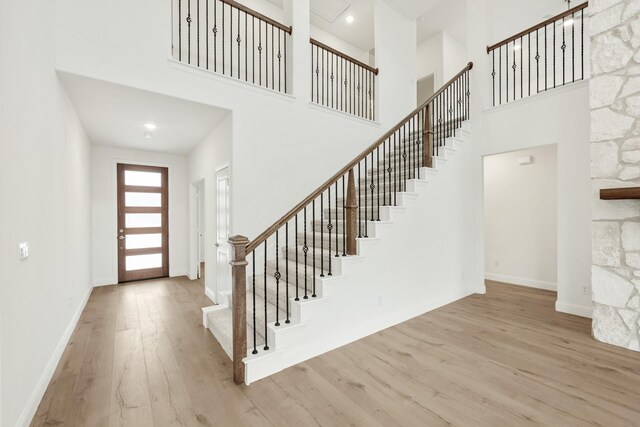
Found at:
(291, 343)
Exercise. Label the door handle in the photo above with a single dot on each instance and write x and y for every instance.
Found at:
(121, 237)
(217, 245)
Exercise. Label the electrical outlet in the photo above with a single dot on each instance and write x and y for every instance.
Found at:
(23, 253)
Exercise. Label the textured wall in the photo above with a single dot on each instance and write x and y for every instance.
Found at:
(615, 162)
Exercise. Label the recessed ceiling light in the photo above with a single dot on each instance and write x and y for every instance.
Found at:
(148, 135)
(568, 22)
(349, 19)
(150, 126)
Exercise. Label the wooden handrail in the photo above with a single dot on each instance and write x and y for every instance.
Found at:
(258, 15)
(300, 206)
(343, 55)
(539, 26)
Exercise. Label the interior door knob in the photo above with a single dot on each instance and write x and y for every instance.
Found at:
(121, 237)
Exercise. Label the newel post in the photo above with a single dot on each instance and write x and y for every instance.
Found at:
(239, 301)
(351, 207)
(427, 132)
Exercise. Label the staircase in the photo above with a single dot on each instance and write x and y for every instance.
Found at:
(299, 286)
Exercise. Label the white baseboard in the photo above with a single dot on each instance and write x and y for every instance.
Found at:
(36, 397)
(576, 310)
(178, 273)
(208, 292)
(105, 282)
(521, 281)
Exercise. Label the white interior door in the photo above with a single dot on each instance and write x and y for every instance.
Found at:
(223, 249)
(200, 227)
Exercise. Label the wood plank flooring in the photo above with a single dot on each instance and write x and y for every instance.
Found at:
(140, 357)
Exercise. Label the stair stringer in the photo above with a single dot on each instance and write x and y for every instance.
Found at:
(419, 260)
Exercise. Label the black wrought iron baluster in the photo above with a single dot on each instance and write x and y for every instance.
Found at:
(277, 277)
(343, 84)
(366, 204)
(296, 258)
(500, 75)
(582, 43)
(285, 64)
(253, 293)
(253, 49)
(378, 179)
(537, 62)
(554, 54)
(493, 76)
(206, 33)
(330, 228)
(344, 217)
(403, 174)
(323, 71)
(286, 267)
(373, 99)
(231, 40)
(521, 69)
(273, 74)
(331, 56)
(563, 47)
(246, 49)
(259, 52)
(305, 250)
(529, 54)
(313, 69)
(266, 316)
(384, 172)
(198, 31)
(546, 55)
(215, 35)
(180, 30)
(395, 165)
(506, 71)
(321, 234)
(573, 47)
(188, 31)
(344, 222)
(514, 66)
(313, 251)
(359, 201)
(239, 41)
(317, 75)
(279, 61)
(266, 55)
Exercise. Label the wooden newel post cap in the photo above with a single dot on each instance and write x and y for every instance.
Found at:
(238, 240)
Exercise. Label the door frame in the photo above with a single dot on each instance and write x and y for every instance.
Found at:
(219, 168)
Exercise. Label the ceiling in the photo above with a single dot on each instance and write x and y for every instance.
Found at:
(444, 16)
(432, 17)
(114, 115)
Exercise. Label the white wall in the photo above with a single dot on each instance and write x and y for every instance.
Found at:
(203, 161)
(561, 117)
(105, 209)
(441, 55)
(520, 205)
(429, 59)
(44, 188)
(395, 37)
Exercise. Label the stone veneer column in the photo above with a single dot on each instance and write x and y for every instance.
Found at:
(615, 162)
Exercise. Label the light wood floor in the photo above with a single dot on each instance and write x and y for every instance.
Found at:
(140, 357)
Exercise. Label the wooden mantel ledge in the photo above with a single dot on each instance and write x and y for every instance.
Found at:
(620, 193)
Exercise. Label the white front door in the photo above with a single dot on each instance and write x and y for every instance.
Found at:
(223, 248)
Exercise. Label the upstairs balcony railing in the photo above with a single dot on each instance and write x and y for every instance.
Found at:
(543, 57)
(341, 82)
(229, 38)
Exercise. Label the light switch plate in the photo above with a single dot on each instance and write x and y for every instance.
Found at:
(24, 251)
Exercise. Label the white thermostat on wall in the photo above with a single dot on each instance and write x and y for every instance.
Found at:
(24, 251)
(525, 160)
